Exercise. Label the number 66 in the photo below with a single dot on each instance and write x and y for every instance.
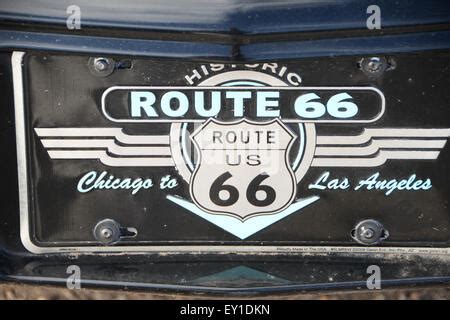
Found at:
(336, 106)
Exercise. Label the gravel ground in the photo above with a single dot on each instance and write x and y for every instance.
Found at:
(31, 292)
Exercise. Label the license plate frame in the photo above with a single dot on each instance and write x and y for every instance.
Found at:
(30, 243)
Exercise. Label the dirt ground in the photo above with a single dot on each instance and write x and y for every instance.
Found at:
(31, 292)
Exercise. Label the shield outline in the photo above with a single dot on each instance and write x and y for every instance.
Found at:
(286, 159)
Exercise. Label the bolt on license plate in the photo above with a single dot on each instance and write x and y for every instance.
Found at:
(120, 154)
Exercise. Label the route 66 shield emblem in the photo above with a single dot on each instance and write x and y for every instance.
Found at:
(243, 168)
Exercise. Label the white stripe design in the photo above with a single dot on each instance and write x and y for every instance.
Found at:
(117, 133)
(376, 161)
(136, 151)
(372, 148)
(110, 145)
(371, 133)
(110, 161)
(376, 146)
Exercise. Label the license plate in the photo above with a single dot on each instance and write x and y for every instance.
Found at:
(128, 154)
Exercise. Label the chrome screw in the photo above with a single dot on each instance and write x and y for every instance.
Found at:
(374, 64)
(106, 233)
(367, 233)
(100, 64)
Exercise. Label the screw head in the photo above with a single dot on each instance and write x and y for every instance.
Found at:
(369, 232)
(106, 233)
(100, 64)
(373, 66)
(101, 67)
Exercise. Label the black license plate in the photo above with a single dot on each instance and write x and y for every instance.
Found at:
(130, 154)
